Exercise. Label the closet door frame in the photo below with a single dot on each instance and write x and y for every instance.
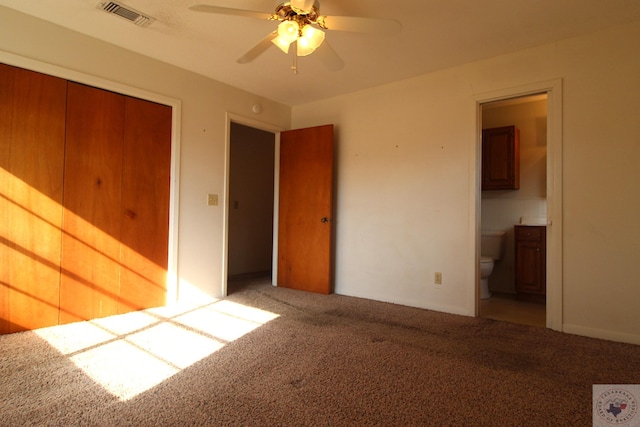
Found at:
(175, 104)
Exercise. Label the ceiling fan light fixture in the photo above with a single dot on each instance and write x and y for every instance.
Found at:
(314, 35)
(288, 31)
(282, 44)
(303, 48)
(302, 6)
(309, 40)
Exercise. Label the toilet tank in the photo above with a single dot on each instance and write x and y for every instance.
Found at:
(492, 244)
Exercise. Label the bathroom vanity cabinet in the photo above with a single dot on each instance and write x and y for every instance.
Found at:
(501, 158)
(531, 262)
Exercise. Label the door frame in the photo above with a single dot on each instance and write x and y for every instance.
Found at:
(176, 114)
(267, 127)
(553, 90)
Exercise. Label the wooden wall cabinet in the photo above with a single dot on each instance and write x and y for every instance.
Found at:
(531, 262)
(501, 158)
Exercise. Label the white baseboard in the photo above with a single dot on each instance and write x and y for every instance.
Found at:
(603, 334)
(442, 308)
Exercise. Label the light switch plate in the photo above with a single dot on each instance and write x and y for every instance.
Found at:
(437, 278)
(212, 199)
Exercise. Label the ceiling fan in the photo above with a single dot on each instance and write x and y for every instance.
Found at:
(301, 25)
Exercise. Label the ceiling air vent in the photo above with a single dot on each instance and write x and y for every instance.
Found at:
(126, 12)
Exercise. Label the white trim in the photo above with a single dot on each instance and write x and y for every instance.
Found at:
(476, 202)
(553, 89)
(87, 79)
(603, 334)
(176, 108)
(276, 209)
(173, 291)
(268, 127)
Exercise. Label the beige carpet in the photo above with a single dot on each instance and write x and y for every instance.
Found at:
(270, 356)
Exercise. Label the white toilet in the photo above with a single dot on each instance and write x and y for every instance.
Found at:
(491, 249)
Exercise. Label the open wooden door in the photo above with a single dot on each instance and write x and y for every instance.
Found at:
(305, 210)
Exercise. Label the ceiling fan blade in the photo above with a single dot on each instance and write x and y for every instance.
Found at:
(227, 11)
(362, 25)
(258, 49)
(329, 57)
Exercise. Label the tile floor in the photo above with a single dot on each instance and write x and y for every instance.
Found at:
(507, 308)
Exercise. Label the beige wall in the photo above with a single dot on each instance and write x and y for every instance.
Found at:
(205, 104)
(502, 209)
(407, 172)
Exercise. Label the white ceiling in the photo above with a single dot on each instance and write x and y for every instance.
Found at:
(435, 35)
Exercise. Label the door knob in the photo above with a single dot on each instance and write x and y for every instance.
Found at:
(324, 220)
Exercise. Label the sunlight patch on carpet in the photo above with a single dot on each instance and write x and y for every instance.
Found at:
(129, 354)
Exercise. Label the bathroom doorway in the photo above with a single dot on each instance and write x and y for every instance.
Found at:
(535, 203)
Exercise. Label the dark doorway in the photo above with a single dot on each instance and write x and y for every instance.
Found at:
(251, 206)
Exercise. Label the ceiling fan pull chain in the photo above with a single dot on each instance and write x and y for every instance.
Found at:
(294, 66)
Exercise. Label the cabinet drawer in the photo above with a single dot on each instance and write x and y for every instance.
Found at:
(529, 233)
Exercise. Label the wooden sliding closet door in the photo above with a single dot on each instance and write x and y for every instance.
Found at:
(116, 204)
(145, 205)
(32, 111)
(90, 285)
(84, 201)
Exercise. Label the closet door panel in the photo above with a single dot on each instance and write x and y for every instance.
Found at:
(92, 191)
(32, 111)
(145, 204)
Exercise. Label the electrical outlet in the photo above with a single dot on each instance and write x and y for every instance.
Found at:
(212, 199)
(437, 278)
